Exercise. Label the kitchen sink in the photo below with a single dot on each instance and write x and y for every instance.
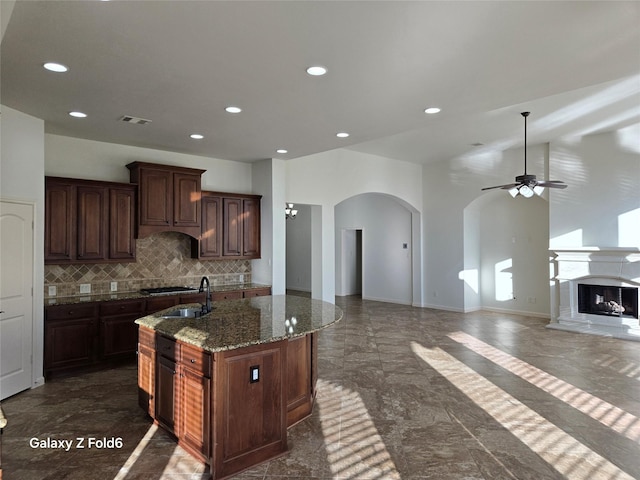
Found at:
(183, 313)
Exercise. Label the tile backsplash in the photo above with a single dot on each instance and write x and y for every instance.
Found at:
(163, 259)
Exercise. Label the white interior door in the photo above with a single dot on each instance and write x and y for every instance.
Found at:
(16, 297)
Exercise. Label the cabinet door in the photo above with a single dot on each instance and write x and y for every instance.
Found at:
(69, 343)
(167, 394)
(156, 197)
(195, 419)
(146, 379)
(251, 228)
(122, 202)
(186, 200)
(211, 238)
(118, 336)
(60, 222)
(232, 235)
(92, 220)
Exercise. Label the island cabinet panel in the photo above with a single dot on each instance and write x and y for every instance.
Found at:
(249, 407)
(146, 371)
(300, 383)
(182, 398)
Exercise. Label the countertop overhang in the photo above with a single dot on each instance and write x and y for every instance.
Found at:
(251, 321)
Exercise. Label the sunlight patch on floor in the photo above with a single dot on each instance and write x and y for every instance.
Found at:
(354, 446)
(561, 451)
(607, 414)
(135, 455)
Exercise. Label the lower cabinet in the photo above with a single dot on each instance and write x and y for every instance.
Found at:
(176, 391)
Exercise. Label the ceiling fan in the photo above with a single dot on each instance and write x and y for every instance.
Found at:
(527, 185)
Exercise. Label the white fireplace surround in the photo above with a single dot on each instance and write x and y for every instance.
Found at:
(618, 267)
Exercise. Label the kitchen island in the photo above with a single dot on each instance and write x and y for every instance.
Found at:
(228, 384)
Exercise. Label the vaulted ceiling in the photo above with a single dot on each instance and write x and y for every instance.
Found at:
(574, 65)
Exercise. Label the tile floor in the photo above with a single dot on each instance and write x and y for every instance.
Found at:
(404, 393)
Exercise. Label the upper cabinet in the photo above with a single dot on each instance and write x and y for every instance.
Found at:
(230, 227)
(169, 198)
(88, 221)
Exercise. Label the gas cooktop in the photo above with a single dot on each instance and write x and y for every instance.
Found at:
(167, 290)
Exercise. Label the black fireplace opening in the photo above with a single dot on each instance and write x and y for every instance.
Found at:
(608, 300)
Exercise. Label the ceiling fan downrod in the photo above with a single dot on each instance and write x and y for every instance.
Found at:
(525, 115)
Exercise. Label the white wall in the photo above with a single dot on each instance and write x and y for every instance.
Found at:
(89, 159)
(514, 256)
(299, 249)
(601, 206)
(326, 179)
(22, 178)
(386, 226)
(449, 187)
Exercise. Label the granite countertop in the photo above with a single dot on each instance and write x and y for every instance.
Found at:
(133, 295)
(251, 321)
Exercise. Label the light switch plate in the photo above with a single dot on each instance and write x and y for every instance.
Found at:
(53, 291)
(85, 288)
(114, 286)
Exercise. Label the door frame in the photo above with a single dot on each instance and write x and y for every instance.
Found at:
(37, 311)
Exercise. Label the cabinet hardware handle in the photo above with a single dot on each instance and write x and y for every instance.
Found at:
(193, 360)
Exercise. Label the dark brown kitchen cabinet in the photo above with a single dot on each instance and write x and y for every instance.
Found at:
(241, 227)
(118, 332)
(147, 371)
(169, 198)
(60, 221)
(70, 337)
(209, 245)
(182, 393)
(122, 223)
(88, 221)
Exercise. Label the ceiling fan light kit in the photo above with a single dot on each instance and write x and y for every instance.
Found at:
(527, 185)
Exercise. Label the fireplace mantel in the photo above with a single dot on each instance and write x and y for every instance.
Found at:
(596, 266)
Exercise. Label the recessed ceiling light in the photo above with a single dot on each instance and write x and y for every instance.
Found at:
(282, 150)
(342, 134)
(432, 110)
(316, 70)
(78, 114)
(233, 109)
(196, 136)
(56, 67)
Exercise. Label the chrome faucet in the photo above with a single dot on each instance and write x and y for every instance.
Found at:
(206, 308)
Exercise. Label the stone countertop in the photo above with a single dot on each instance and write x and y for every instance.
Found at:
(133, 295)
(251, 321)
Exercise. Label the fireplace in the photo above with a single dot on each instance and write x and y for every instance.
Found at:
(596, 291)
(608, 300)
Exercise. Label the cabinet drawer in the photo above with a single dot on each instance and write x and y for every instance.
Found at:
(256, 292)
(121, 307)
(231, 295)
(196, 359)
(146, 338)
(71, 311)
(167, 347)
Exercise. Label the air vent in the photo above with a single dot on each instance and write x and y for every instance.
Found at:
(135, 120)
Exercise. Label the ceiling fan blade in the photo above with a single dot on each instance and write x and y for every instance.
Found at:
(552, 184)
(504, 187)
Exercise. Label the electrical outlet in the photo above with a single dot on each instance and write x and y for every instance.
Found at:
(254, 374)
(241, 278)
(85, 288)
(53, 291)
(114, 286)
